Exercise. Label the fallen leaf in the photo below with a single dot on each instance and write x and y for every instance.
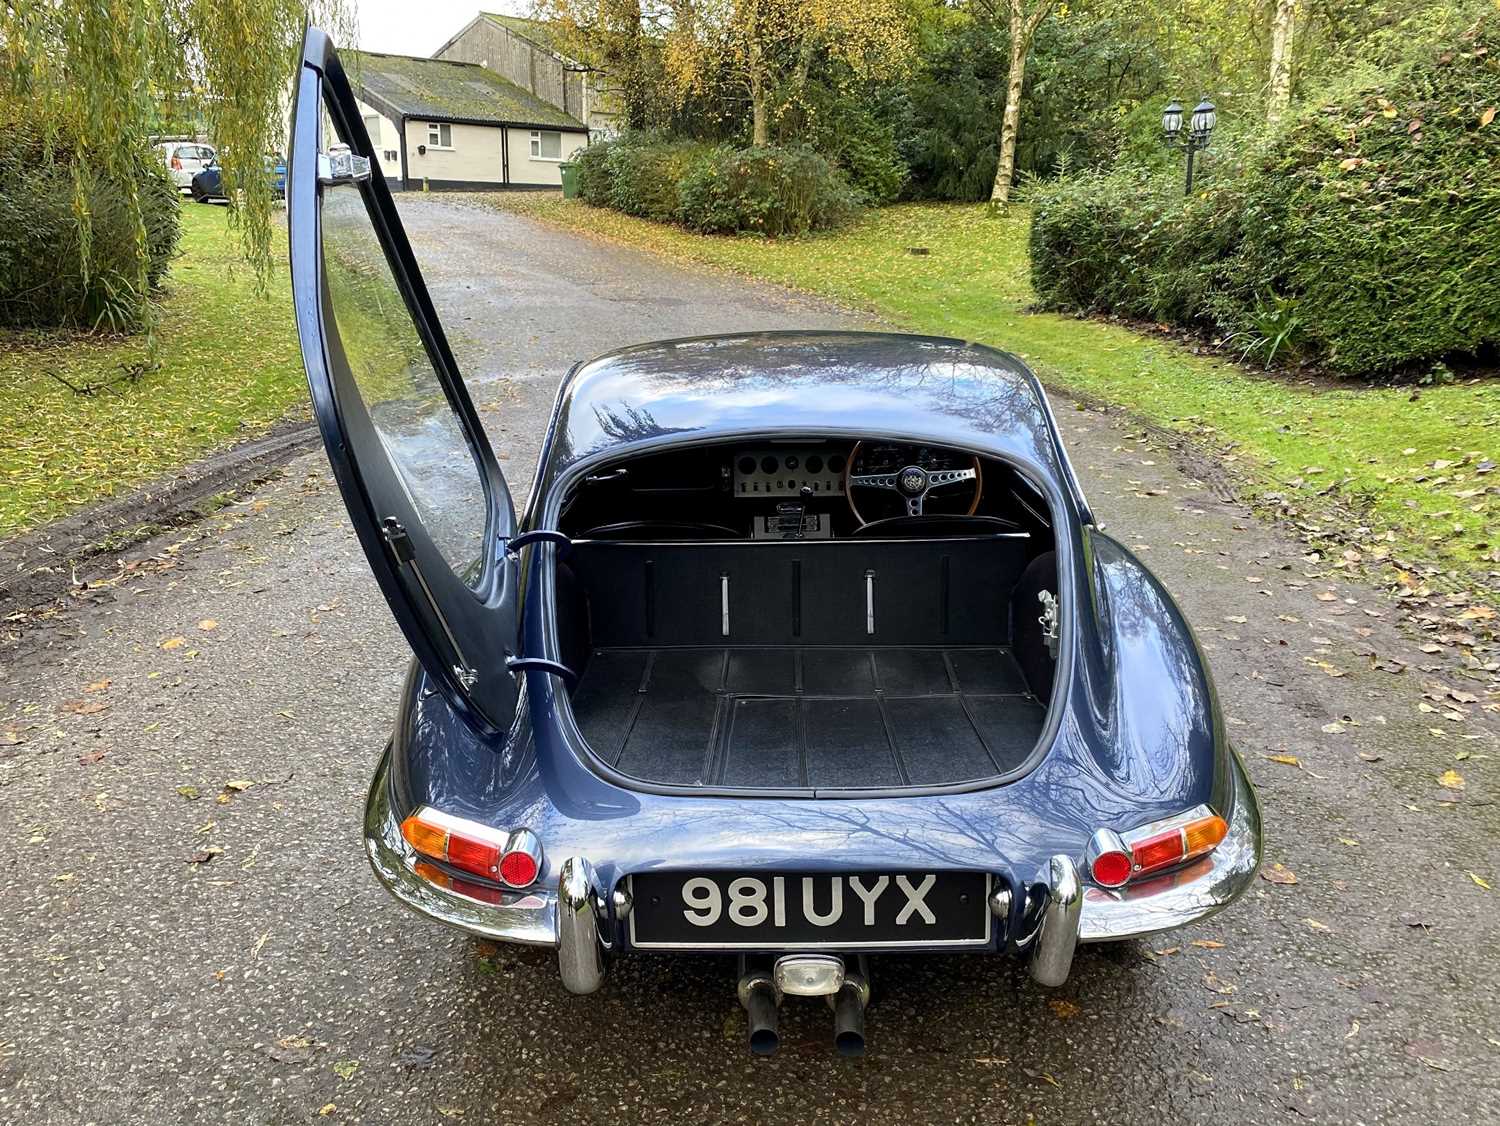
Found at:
(1317, 926)
(188, 793)
(1278, 874)
(207, 624)
(238, 784)
(1286, 760)
(1334, 728)
(1207, 944)
(84, 707)
(91, 758)
(98, 686)
(326, 1109)
(1480, 881)
(1213, 982)
(1237, 619)
(1065, 1010)
(174, 643)
(345, 1069)
(204, 855)
(1487, 116)
(1451, 780)
(1041, 1075)
(1326, 596)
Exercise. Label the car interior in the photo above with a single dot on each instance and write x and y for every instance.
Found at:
(816, 616)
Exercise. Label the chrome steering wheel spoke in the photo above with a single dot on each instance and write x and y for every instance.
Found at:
(939, 477)
(875, 481)
(914, 504)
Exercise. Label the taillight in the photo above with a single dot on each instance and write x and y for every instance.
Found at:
(176, 164)
(1115, 859)
(1110, 862)
(514, 858)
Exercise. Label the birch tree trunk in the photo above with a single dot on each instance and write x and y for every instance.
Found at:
(756, 65)
(1283, 30)
(1023, 25)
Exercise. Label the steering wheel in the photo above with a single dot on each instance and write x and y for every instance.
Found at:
(911, 483)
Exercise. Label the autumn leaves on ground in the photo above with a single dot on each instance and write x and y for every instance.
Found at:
(1401, 477)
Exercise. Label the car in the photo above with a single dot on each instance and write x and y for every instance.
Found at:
(184, 160)
(806, 648)
(208, 186)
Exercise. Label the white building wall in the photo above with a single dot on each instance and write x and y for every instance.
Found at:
(386, 138)
(527, 169)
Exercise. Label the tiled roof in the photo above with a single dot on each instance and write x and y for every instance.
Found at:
(441, 89)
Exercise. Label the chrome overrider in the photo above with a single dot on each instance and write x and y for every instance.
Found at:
(573, 917)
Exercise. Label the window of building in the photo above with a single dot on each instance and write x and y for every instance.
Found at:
(546, 145)
(372, 126)
(439, 135)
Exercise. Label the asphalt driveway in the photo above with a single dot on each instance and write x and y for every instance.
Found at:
(189, 932)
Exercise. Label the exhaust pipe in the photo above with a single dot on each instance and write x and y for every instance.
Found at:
(758, 996)
(849, 1013)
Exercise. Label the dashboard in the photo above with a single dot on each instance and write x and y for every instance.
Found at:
(798, 490)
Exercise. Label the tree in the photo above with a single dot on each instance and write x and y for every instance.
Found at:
(1283, 30)
(103, 74)
(1025, 16)
(765, 47)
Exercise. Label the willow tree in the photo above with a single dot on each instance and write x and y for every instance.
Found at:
(101, 76)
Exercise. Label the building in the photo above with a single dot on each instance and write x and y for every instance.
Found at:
(444, 124)
(526, 53)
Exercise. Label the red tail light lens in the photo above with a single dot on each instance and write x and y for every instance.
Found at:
(522, 862)
(1111, 869)
(176, 165)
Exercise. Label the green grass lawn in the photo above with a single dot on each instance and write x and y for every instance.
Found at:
(1407, 459)
(229, 369)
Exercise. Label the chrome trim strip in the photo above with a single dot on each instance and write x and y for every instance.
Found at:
(1052, 955)
(528, 918)
(987, 536)
(724, 604)
(580, 954)
(761, 945)
(870, 602)
(1192, 892)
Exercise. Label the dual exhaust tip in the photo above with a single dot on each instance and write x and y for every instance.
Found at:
(805, 975)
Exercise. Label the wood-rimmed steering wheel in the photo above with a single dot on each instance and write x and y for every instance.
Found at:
(911, 483)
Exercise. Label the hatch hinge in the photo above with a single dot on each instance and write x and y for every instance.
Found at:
(339, 165)
(404, 552)
(521, 664)
(1048, 619)
(525, 539)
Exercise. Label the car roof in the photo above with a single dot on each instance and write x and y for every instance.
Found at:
(918, 388)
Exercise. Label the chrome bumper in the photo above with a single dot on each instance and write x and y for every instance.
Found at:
(573, 918)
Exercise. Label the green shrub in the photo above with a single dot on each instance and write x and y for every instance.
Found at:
(645, 175)
(1362, 233)
(716, 188)
(772, 191)
(48, 276)
(594, 181)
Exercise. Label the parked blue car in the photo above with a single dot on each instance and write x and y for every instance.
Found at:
(807, 646)
(207, 186)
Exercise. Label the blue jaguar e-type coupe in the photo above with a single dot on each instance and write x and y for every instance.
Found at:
(806, 648)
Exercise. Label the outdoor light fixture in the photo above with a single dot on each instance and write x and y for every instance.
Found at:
(1200, 128)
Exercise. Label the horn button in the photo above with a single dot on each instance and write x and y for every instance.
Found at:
(912, 481)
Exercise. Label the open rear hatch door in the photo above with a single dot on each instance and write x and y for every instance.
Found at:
(422, 486)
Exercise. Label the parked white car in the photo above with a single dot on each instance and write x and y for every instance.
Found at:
(185, 159)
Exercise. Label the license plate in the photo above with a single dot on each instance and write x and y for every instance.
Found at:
(808, 911)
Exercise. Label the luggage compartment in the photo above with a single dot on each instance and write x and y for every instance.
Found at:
(811, 666)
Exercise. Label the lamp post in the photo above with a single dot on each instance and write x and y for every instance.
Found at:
(1200, 128)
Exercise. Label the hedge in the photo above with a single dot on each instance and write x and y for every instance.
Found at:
(716, 188)
(1361, 234)
(44, 279)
